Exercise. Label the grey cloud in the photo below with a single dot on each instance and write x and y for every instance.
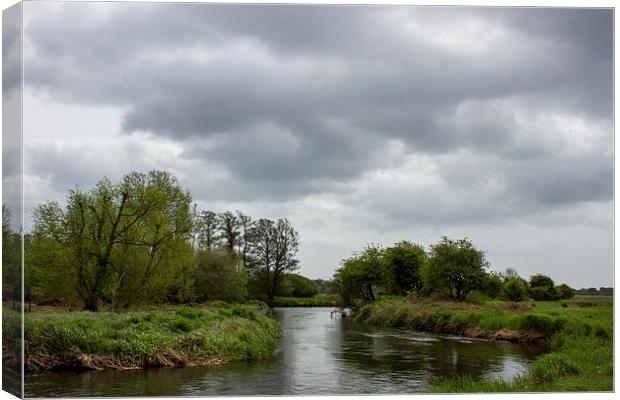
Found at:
(292, 100)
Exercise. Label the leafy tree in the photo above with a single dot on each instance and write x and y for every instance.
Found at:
(135, 229)
(540, 280)
(219, 276)
(297, 286)
(406, 261)
(542, 288)
(361, 275)
(11, 259)
(564, 291)
(493, 284)
(515, 289)
(456, 268)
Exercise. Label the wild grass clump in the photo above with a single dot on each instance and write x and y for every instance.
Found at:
(169, 337)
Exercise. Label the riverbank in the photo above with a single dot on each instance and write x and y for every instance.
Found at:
(162, 337)
(579, 333)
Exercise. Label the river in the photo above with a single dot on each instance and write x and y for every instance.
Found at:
(317, 354)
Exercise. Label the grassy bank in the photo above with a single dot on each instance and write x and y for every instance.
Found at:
(162, 337)
(316, 301)
(579, 332)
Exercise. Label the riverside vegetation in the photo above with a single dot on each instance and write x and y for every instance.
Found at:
(161, 337)
(161, 284)
(450, 290)
(132, 255)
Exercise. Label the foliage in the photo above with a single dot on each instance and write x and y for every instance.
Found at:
(361, 275)
(118, 240)
(564, 291)
(294, 285)
(542, 288)
(316, 301)
(515, 289)
(455, 268)
(219, 276)
(405, 260)
(11, 260)
(493, 285)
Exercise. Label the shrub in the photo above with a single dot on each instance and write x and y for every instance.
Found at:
(542, 288)
(515, 289)
(565, 291)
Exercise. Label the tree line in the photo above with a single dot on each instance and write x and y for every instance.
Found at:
(142, 241)
(450, 269)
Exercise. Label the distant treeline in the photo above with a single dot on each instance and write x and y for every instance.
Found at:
(450, 269)
(604, 291)
(142, 241)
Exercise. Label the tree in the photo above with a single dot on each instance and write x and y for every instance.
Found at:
(11, 259)
(405, 260)
(246, 227)
(564, 291)
(207, 229)
(542, 288)
(134, 228)
(361, 275)
(229, 225)
(493, 284)
(274, 247)
(219, 276)
(456, 268)
(297, 286)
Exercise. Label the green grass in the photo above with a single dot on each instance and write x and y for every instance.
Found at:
(580, 333)
(168, 336)
(316, 301)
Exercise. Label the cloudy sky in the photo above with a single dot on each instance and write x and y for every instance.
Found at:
(359, 124)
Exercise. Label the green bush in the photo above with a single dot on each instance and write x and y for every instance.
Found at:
(515, 289)
(564, 291)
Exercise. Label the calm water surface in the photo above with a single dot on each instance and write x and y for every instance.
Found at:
(316, 355)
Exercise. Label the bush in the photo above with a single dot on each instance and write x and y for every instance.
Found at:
(515, 289)
(218, 276)
(493, 285)
(542, 288)
(565, 291)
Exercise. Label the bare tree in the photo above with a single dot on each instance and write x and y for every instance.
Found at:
(208, 229)
(274, 246)
(229, 226)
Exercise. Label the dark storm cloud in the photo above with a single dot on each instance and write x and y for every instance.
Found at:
(292, 100)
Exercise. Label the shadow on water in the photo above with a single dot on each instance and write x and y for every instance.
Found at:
(316, 355)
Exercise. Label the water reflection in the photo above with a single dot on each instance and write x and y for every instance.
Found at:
(317, 355)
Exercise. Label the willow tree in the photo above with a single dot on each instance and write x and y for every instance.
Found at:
(112, 232)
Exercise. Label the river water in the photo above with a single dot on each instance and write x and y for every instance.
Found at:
(317, 354)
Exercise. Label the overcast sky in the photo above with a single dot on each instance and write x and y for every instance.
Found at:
(358, 124)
